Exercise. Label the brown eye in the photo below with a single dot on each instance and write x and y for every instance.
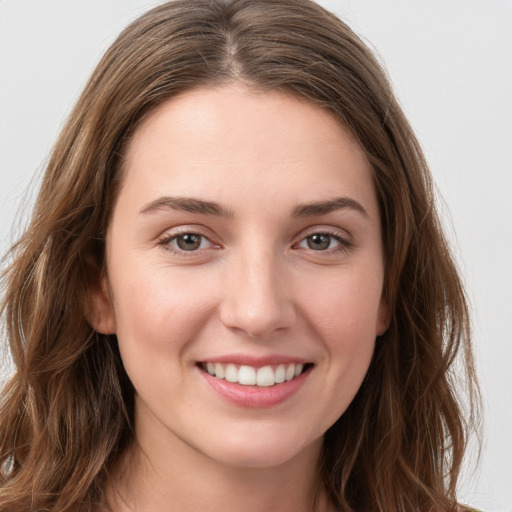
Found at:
(319, 241)
(188, 241)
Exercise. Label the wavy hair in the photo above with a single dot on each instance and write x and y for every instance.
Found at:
(67, 412)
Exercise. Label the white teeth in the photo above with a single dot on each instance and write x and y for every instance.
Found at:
(280, 374)
(219, 370)
(290, 372)
(247, 375)
(231, 373)
(265, 376)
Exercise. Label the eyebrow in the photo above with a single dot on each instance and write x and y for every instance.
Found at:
(324, 207)
(192, 205)
(187, 204)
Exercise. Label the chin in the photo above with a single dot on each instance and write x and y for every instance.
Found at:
(263, 451)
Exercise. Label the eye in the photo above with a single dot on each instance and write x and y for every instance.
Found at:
(186, 242)
(319, 241)
(189, 241)
(324, 242)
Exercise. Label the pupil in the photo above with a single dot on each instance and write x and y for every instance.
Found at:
(319, 242)
(189, 242)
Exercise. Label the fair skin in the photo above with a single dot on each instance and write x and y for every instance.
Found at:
(246, 232)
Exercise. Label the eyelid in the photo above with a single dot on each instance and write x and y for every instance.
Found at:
(166, 238)
(342, 236)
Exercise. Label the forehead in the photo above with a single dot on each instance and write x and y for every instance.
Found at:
(230, 138)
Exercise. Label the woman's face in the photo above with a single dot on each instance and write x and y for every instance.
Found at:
(245, 243)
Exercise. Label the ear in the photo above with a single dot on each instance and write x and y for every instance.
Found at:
(101, 312)
(383, 317)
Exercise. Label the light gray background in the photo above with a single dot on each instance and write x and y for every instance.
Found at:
(451, 65)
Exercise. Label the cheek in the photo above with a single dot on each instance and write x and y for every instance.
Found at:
(344, 314)
(158, 317)
(345, 303)
(162, 310)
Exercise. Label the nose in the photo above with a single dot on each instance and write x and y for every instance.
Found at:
(256, 299)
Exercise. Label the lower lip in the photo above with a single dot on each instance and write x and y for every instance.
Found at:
(255, 397)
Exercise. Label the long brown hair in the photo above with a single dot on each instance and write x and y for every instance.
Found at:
(67, 412)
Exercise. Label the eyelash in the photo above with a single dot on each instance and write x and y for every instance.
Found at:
(165, 242)
(344, 243)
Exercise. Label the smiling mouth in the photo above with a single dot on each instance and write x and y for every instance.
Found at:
(265, 376)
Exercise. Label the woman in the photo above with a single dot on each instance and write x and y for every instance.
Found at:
(234, 290)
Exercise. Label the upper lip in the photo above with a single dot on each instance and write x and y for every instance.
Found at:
(256, 362)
